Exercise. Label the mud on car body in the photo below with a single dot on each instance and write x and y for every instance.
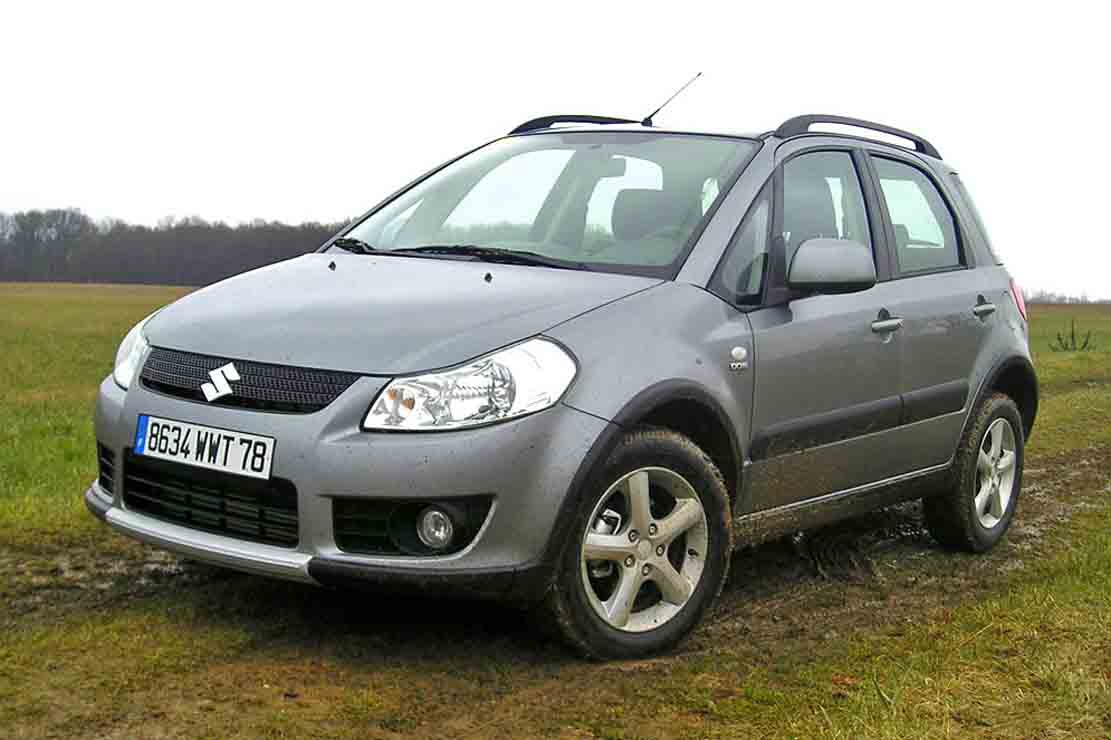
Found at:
(577, 366)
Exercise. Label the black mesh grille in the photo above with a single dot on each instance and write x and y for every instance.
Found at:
(261, 386)
(231, 505)
(364, 526)
(106, 462)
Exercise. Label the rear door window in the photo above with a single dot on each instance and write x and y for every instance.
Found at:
(925, 233)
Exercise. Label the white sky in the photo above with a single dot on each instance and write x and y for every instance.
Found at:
(315, 111)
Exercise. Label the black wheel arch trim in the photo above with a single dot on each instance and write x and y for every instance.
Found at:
(668, 391)
(659, 394)
(992, 377)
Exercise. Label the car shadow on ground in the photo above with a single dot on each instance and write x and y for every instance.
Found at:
(361, 624)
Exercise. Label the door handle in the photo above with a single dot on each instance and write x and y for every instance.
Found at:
(983, 310)
(883, 326)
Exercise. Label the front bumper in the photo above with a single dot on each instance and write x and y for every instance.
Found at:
(238, 554)
(528, 465)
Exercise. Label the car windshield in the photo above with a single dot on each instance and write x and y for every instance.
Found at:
(613, 201)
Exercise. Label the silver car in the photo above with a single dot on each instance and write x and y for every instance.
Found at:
(575, 368)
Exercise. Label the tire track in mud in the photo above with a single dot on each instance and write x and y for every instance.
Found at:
(863, 573)
(887, 559)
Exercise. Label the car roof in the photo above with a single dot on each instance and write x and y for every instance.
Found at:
(789, 129)
(639, 129)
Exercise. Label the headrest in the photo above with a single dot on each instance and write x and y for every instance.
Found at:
(637, 213)
(810, 211)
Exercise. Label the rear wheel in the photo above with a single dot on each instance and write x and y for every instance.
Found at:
(977, 510)
(649, 550)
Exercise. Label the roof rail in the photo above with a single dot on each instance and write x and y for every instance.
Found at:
(801, 124)
(547, 121)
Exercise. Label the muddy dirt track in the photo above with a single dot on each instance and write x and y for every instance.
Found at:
(875, 569)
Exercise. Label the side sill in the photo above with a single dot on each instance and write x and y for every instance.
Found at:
(760, 526)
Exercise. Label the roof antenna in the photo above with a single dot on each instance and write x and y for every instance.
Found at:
(648, 119)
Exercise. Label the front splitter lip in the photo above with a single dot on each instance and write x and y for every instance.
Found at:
(249, 557)
(525, 583)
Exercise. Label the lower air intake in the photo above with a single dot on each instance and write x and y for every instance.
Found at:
(244, 508)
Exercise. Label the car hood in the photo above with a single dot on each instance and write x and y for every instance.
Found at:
(379, 315)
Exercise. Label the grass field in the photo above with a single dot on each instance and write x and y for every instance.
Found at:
(866, 629)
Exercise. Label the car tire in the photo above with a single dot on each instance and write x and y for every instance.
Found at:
(976, 510)
(681, 487)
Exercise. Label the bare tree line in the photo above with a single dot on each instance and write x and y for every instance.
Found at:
(1046, 296)
(64, 244)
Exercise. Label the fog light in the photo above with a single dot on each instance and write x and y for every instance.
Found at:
(435, 528)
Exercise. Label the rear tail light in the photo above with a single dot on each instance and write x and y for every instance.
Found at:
(1016, 293)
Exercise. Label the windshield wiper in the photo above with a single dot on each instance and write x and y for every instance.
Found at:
(493, 254)
(351, 244)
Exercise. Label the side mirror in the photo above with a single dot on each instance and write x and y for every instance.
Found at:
(831, 266)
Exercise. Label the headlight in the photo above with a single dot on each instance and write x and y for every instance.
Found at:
(130, 354)
(527, 377)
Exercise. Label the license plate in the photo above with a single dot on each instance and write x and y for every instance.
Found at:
(204, 447)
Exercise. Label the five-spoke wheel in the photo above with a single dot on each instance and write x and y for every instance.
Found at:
(645, 552)
(996, 473)
(649, 550)
(975, 509)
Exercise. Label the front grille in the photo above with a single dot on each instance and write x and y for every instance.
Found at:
(261, 386)
(106, 463)
(231, 505)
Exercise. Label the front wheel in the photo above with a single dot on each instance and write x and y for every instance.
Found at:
(649, 550)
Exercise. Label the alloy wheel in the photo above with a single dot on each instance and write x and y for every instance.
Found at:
(644, 550)
(995, 473)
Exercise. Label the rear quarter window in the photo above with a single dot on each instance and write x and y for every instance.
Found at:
(962, 191)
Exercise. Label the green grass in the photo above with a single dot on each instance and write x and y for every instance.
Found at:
(103, 637)
(1058, 371)
(59, 343)
(1075, 386)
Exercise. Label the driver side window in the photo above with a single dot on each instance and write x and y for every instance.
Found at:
(822, 199)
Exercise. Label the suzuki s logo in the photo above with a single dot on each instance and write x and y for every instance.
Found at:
(219, 387)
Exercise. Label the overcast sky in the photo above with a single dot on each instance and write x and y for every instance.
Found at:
(235, 111)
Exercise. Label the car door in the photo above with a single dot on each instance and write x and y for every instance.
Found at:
(826, 366)
(945, 311)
